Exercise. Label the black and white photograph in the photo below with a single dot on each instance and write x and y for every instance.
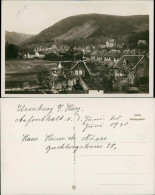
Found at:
(77, 47)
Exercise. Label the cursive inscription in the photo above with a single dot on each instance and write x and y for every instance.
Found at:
(83, 131)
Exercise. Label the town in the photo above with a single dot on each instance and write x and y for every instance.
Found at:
(68, 69)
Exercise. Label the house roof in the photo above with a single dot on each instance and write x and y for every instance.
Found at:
(132, 60)
(68, 65)
(101, 53)
(110, 63)
(31, 53)
(118, 55)
(94, 53)
(127, 52)
(83, 64)
(91, 83)
(141, 41)
(94, 69)
(111, 40)
(110, 53)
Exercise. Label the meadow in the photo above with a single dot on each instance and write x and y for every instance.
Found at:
(19, 71)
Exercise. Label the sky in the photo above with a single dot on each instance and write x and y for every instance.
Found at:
(31, 17)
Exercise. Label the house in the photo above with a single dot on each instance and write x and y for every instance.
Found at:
(72, 71)
(82, 68)
(35, 54)
(141, 42)
(110, 43)
(40, 54)
(133, 52)
(120, 46)
(86, 80)
(93, 55)
(109, 55)
(102, 46)
(87, 49)
(66, 47)
(91, 85)
(117, 56)
(138, 64)
(53, 47)
(126, 52)
(31, 55)
(100, 55)
(81, 80)
(86, 54)
(22, 55)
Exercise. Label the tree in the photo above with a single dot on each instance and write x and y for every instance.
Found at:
(126, 79)
(11, 51)
(45, 78)
(25, 85)
(64, 75)
(61, 79)
(78, 55)
(108, 78)
(134, 37)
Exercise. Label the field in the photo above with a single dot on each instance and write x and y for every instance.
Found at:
(19, 71)
(25, 66)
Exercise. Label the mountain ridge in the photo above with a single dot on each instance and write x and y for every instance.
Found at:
(91, 27)
(16, 37)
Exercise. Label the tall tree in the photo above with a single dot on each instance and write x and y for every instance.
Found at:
(45, 78)
(11, 51)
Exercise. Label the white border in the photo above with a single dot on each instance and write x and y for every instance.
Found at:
(151, 63)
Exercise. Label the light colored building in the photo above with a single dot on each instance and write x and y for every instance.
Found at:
(30, 55)
(141, 42)
(110, 43)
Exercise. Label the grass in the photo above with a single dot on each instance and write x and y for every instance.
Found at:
(18, 71)
(23, 66)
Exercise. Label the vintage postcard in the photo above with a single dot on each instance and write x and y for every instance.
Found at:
(77, 140)
(75, 146)
(77, 48)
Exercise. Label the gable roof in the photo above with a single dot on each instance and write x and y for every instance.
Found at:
(110, 53)
(68, 64)
(118, 55)
(91, 83)
(133, 61)
(82, 63)
(101, 53)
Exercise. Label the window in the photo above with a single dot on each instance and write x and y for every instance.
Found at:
(80, 72)
(76, 72)
(125, 62)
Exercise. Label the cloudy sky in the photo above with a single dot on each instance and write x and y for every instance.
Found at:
(31, 17)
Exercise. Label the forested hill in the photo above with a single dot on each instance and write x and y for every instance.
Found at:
(16, 38)
(92, 28)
